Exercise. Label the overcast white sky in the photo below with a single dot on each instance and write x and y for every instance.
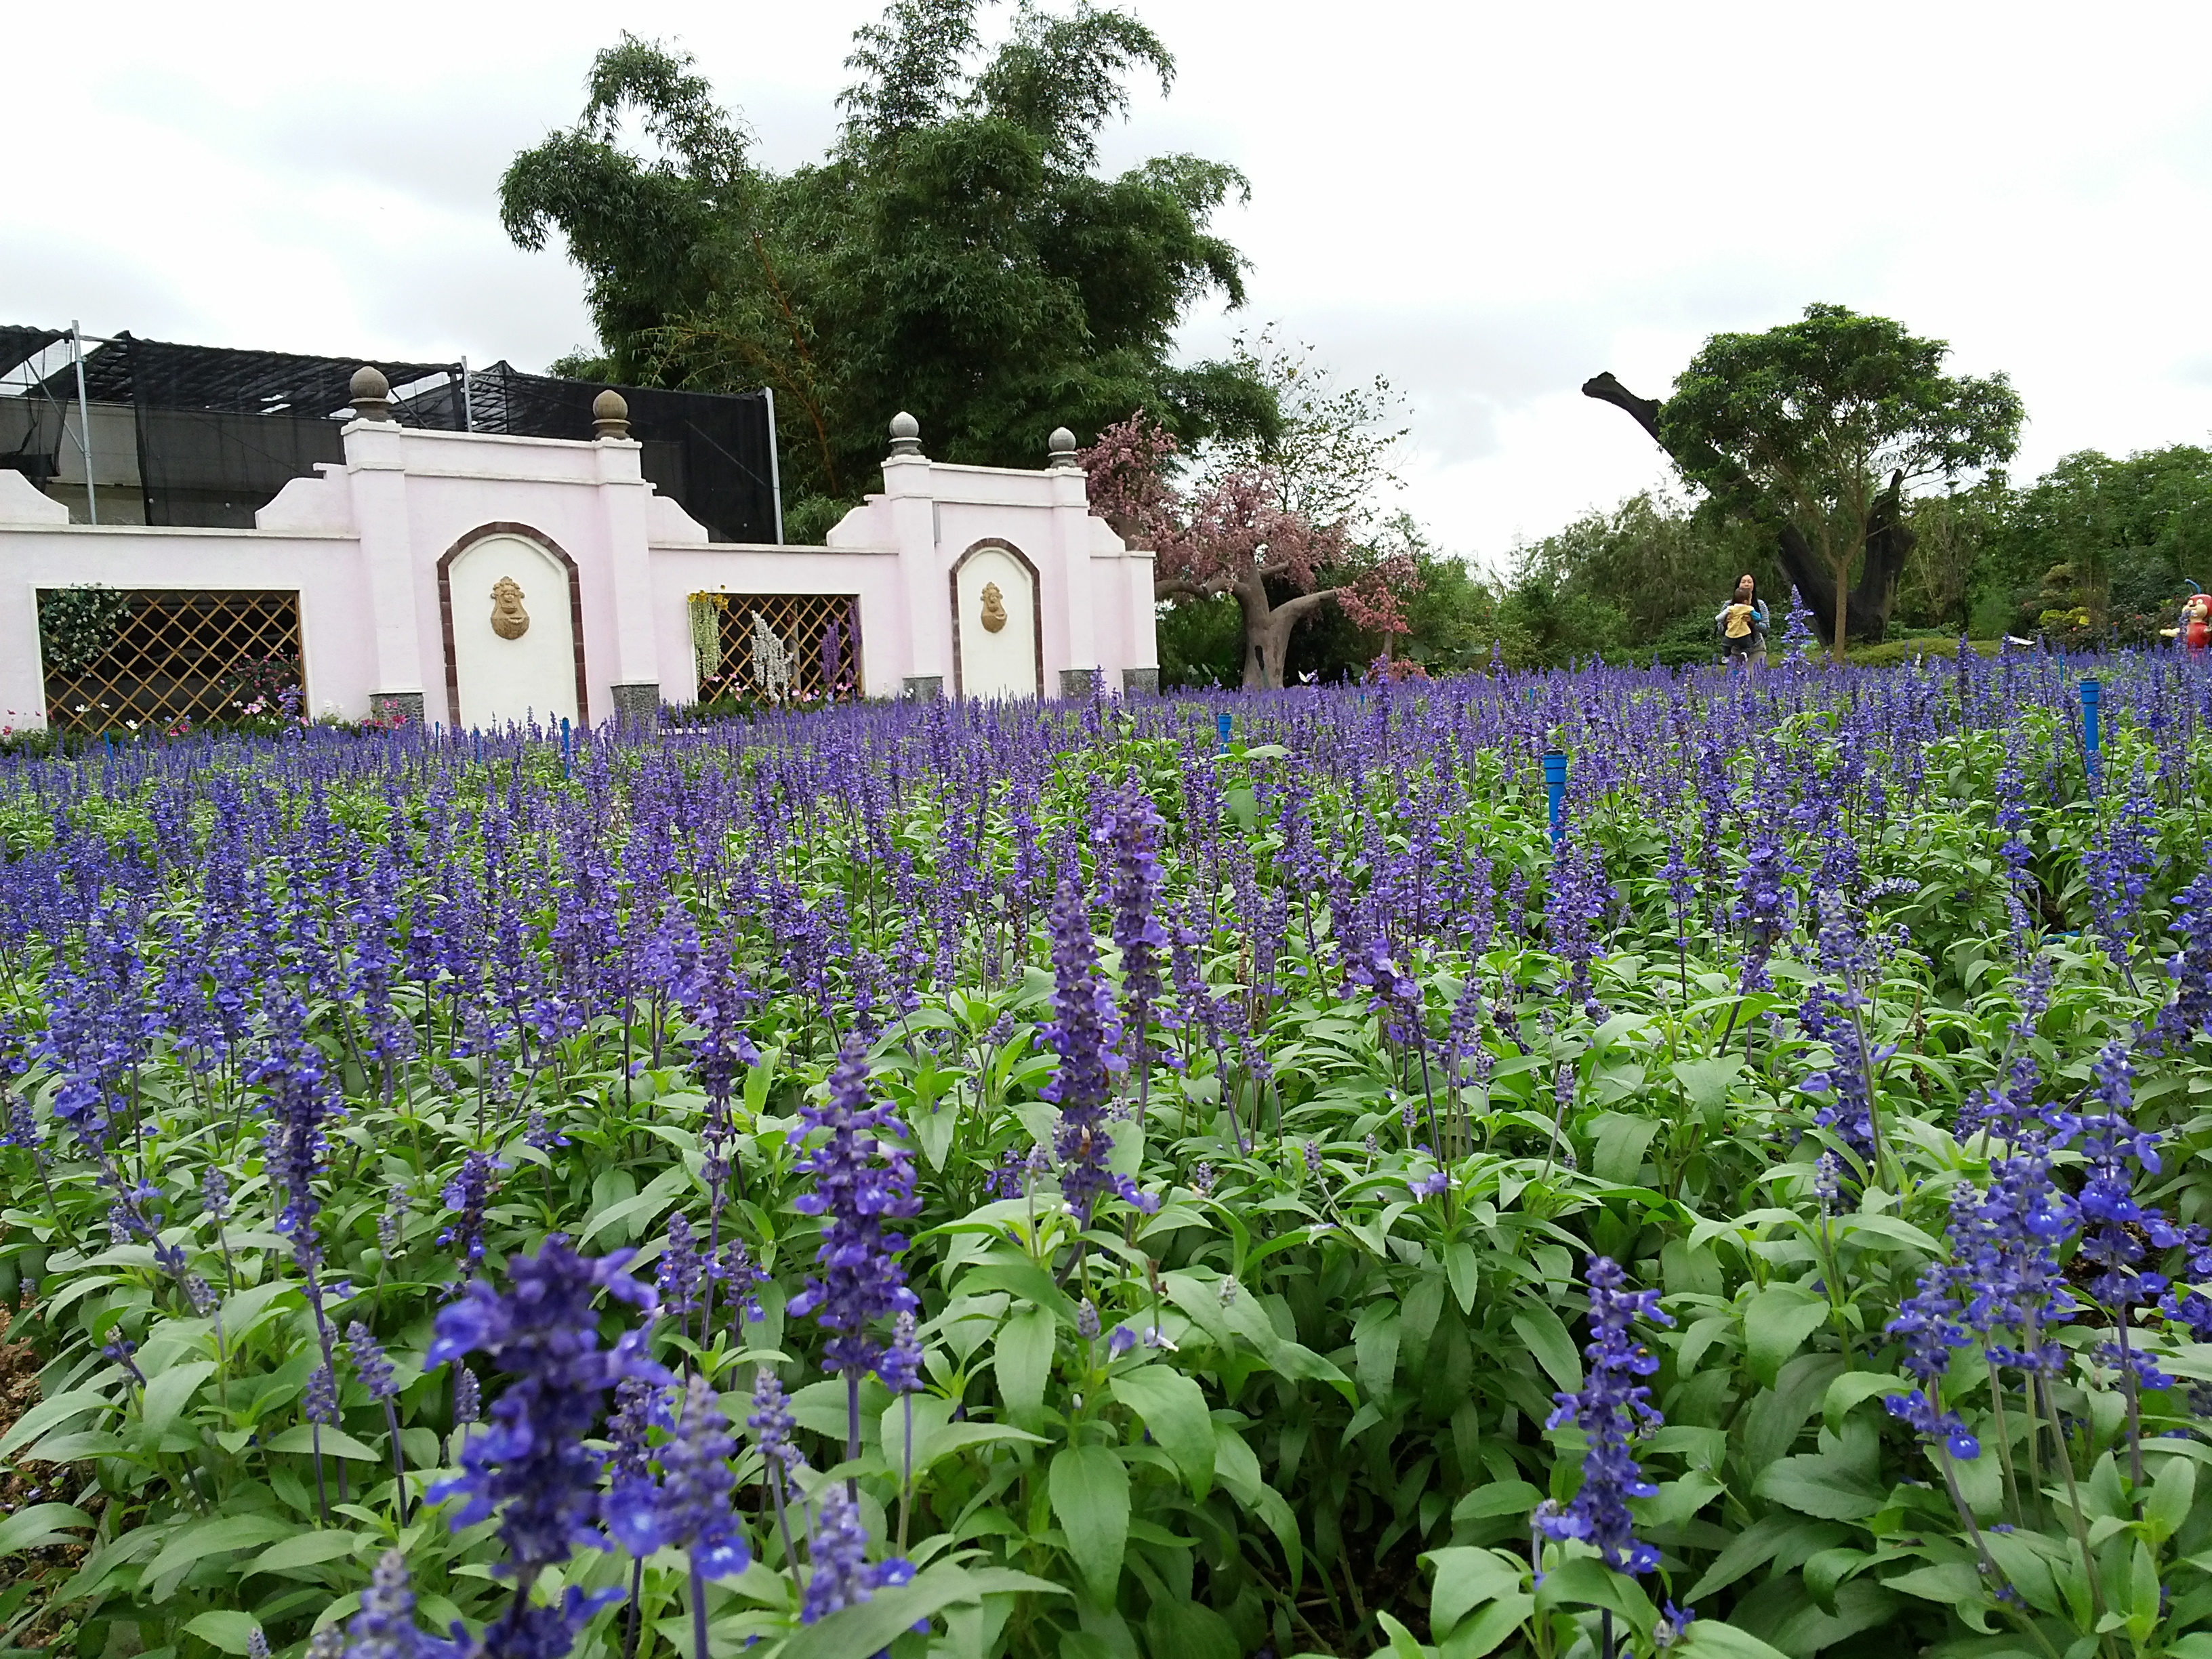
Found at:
(1485, 203)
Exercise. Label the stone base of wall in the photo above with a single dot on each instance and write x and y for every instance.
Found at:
(1077, 681)
(403, 706)
(637, 703)
(1140, 681)
(922, 688)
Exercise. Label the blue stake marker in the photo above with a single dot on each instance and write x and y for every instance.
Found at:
(2092, 740)
(1555, 791)
(1223, 724)
(564, 745)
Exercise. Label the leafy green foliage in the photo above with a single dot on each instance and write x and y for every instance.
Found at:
(78, 626)
(956, 255)
(1312, 1412)
(1804, 423)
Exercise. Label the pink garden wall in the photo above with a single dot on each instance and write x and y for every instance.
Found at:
(365, 544)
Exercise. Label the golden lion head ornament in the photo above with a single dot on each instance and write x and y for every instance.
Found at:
(509, 619)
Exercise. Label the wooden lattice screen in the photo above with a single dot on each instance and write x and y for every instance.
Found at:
(201, 656)
(726, 638)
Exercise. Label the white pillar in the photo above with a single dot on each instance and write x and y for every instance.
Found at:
(1071, 573)
(376, 472)
(911, 496)
(628, 667)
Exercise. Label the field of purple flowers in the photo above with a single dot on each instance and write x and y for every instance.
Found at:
(1081, 1181)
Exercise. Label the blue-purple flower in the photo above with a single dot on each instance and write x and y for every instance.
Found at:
(862, 1177)
(1083, 1031)
(838, 1551)
(690, 1508)
(532, 1467)
(1611, 1410)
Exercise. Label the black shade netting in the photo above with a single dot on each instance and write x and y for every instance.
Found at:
(710, 453)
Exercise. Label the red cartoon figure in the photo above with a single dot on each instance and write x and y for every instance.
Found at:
(2197, 620)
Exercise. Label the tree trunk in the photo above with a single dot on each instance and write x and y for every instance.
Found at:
(1267, 631)
(1866, 608)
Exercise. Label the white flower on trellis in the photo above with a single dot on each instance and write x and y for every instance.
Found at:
(771, 660)
(707, 634)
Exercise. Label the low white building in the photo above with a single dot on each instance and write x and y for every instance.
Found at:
(472, 580)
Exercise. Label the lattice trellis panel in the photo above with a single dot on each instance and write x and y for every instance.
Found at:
(179, 655)
(771, 647)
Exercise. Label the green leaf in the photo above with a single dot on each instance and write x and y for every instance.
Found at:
(1712, 1638)
(1621, 1139)
(172, 1391)
(1375, 1347)
(2142, 1588)
(305, 1549)
(227, 1631)
(337, 1443)
(1852, 1389)
(1466, 1278)
(858, 1632)
(1090, 1497)
(1891, 1228)
(1021, 1354)
(1473, 1637)
(1753, 1547)
(1547, 1339)
(1189, 1629)
(1275, 1510)
(1403, 1644)
(1498, 1497)
(1828, 1568)
(661, 1192)
(1584, 1581)
(1822, 1487)
(2170, 1495)
(2026, 1561)
(41, 1524)
(1706, 1081)
(1677, 1501)
(1957, 1583)
(230, 1532)
(48, 1414)
(1173, 1409)
(1775, 1324)
(1466, 1578)
(942, 1442)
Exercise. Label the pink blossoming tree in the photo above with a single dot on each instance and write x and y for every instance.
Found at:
(1232, 536)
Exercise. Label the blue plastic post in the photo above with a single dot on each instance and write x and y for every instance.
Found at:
(1223, 725)
(2093, 695)
(564, 745)
(1555, 791)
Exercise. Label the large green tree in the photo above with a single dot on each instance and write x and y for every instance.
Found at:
(958, 254)
(1820, 428)
(2128, 537)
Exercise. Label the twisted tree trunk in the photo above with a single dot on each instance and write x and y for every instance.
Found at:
(1888, 540)
(1268, 625)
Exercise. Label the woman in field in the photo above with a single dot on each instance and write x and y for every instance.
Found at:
(1743, 622)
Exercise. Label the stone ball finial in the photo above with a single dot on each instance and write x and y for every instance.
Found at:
(370, 393)
(1060, 448)
(906, 434)
(611, 414)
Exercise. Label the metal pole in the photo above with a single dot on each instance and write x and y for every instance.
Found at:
(1555, 791)
(468, 403)
(83, 423)
(2092, 696)
(774, 467)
